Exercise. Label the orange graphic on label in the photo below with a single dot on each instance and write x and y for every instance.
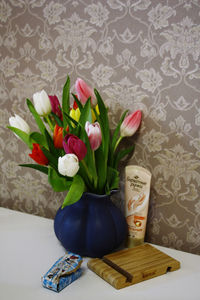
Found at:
(138, 223)
(133, 220)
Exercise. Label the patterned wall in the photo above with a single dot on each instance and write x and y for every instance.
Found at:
(141, 54)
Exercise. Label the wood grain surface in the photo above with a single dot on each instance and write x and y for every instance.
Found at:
(130, 266)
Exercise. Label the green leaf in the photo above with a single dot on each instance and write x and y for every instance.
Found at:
(112, 179)
(56, 152)
(121, 154)
(116, 132)
(38, 138)
(36, 116)
(79, 130)
(50, 144)
(57, 119)
(88, 184)
(66, 100)
(71, 120)
(40, 168)
(101, 169)
(80, 106)
(53, 161)
(58, 182)
(101, 153)
(104, 123)
(86, 113)
(89, 158)
(72, 130)
(75, 192)
(22, 135)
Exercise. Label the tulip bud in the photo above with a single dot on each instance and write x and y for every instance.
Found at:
(55, 106)
(38, 156)
(42, 103)
(72, 144)
(84, 92)
(94, 134)
(75, 105)
(75, 114)
(93, 110)
(68, 165)
(58, 137)
(130, 124)
(19, 123)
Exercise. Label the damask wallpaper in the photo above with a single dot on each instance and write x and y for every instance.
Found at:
(141, 54)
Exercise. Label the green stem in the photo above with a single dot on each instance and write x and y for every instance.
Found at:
(118, 141)
(49, 122)
(96, 177)
(86, 169)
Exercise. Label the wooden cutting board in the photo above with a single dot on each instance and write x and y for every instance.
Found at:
(130, 266)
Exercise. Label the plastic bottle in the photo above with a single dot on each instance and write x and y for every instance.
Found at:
(137, 191)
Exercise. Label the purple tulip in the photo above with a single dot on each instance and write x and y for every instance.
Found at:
(72, 144)
(55, 106)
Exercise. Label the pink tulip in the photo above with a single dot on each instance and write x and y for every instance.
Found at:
(94, 134)
(84, 92)
(55, 106)
(72, 144)
(131, 123)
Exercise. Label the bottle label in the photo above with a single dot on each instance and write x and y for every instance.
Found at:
(137, 188)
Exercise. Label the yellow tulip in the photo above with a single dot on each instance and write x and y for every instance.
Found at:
(93, 113)
(75, 114)
(97, 109)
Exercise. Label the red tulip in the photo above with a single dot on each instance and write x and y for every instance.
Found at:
(38, 156)
(94, 134)
(75, 105)
(84, 92)
(58, 137)
(55, 106)
(131, 123)
(72, 144)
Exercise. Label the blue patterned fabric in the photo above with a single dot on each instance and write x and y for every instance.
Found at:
(65, 270)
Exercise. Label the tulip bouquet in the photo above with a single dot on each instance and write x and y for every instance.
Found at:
(74, 146)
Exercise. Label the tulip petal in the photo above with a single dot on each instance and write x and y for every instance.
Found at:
(38, 156)
(36, 116)
(130, 124)
(94, 134)
(72, 144)
(84, 92)
(55, 106)
(58, 137)
(42, 103)
(68, 165)
(19, 123)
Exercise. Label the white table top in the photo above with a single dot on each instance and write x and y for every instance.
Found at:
(28, 248)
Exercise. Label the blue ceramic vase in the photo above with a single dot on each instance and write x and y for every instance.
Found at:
(91, 227)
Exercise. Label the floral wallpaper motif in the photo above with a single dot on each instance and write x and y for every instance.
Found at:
(140, 54)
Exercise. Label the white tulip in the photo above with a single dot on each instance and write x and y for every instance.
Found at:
(19, 123)
(42, 103)
(68, 165)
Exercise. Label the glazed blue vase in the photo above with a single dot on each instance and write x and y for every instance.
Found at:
(91, 227)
